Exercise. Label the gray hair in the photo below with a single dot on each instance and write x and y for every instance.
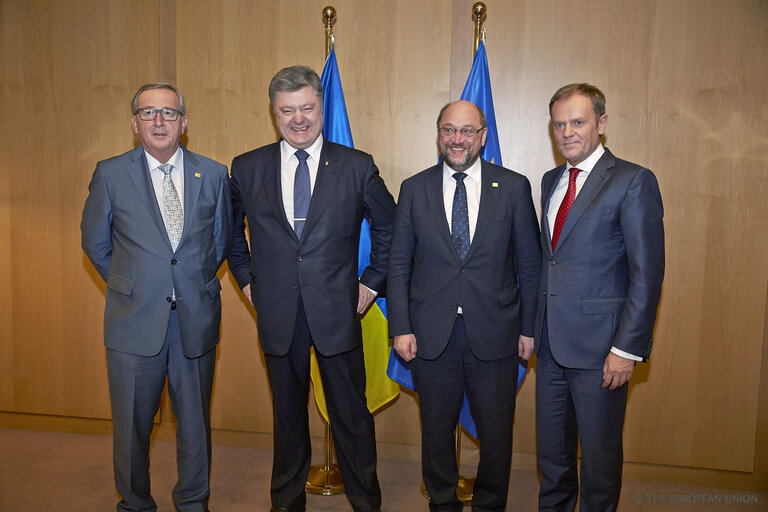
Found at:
(158, 85)
(292, 79)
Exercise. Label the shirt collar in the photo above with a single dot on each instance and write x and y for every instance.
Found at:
(176, 160)
(589, 163)
(474, 172)
(287, 151)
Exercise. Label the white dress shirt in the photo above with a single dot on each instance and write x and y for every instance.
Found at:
(177, 176)
(472, 183)
(288, 164)
(559, 194)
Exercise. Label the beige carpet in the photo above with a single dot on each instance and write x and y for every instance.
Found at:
(51, 471)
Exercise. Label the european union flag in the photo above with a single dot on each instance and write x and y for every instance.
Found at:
(478, 91)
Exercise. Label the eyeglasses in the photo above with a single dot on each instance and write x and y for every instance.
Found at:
(150, 113)
(466, 132)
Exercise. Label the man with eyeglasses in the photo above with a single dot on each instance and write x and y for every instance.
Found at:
(157, 226)
(463, 274)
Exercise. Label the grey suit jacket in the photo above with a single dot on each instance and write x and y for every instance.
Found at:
(601, 286)
(495, 285)
(124, 237)
(322, 266)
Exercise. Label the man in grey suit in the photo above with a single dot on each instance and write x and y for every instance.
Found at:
(602, 238)
(157, 226)
(305, 198)
(463, 274)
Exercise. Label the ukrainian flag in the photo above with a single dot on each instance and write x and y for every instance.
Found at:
(378, 388)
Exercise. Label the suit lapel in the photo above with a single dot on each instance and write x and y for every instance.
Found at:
(193, 180)
(328, 172)
(435, 204)
(547, 190)
(139, 175)
(271, 167)
(595, 182)
(489, 196)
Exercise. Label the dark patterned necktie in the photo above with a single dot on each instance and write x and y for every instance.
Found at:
(301, 192)
(460, 217)
(565, 206)
(174, 214)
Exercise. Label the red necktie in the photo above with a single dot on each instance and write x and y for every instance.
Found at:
(565, 206)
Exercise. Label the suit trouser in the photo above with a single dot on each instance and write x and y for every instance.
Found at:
(572, 407)
(135, 385)
(352, 425)
(490, 387)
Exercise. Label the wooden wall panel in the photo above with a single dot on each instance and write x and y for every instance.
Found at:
(683, 81)
(69, 73)
(683, 86)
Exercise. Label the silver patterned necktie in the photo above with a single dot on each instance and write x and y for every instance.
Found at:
(174, 215)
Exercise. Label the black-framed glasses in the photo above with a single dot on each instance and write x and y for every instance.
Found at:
(150, 113)
(466, 132)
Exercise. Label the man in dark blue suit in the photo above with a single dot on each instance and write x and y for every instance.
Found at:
(463, 274)
(304, 199)
(157, 226)
(602, 239)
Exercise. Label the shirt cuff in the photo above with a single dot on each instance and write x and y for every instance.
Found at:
(625, 355)
(374, 292)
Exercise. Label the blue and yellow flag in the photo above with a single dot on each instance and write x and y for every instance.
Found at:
(378, 388)
(478, 91)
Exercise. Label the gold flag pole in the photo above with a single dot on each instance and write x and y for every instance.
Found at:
(466, 484)
(329, 20)
(479, 13)
(325, 478)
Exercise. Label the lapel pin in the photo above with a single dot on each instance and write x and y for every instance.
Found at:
(495, 185)
(197, 175)
(326, 162)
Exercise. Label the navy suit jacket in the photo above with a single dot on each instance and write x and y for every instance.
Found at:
(497, 282)
(125, 238)
(601, 286)
(322, 266)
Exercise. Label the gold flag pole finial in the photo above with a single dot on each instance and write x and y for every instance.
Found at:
(479, 13)
(329, 20)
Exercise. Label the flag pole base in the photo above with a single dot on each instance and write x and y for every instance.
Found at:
(325, 480)
(463, 489)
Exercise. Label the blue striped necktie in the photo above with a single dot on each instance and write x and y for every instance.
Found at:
(302, 192)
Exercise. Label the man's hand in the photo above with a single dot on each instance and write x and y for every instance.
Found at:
(525, 347)
(405, 346)
(247, 292)
(365, 299)
(617, 371)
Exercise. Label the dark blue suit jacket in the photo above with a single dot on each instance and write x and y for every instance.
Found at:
(601, 286)
(322, 266)
(496, 284)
